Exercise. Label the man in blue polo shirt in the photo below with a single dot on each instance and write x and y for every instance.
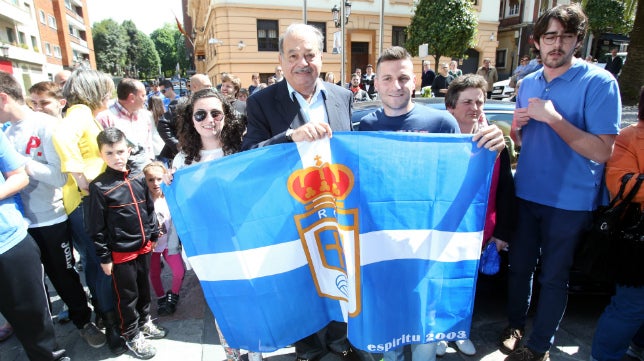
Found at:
(567, 116)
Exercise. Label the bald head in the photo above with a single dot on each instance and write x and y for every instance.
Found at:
(61, 77)
(199, 81)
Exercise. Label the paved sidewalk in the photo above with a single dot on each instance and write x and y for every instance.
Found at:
(192, 334)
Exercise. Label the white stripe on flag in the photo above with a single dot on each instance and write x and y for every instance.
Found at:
(288, 256)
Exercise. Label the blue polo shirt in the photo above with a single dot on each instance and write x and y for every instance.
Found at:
(549, 171)
(13, 228)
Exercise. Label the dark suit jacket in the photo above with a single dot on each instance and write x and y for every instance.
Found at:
(614, 65)
(272, 111)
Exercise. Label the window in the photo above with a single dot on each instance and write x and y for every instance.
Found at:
(11, 35)
(34, 42)
(52, 21)
(73, 31)
(47, 48)
(322, 27)
(57, 52)
(21, 38)
(41, 14)
(500, 58)
(398, 36)
(267, 35)
(512, 8)
(68, 4)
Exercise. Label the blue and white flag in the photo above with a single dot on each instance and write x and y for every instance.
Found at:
(380, 230)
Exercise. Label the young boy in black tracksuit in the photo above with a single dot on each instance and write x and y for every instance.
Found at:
(124, 228)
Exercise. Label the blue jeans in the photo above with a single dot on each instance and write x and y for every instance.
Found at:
(551, 234)
(419, 352)
(621, 323)
(99, 284)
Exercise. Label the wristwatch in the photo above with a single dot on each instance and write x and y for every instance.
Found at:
(289, 134)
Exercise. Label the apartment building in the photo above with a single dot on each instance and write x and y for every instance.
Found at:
(38, 38)
(65, 34)
(20, 42)
(241, 36)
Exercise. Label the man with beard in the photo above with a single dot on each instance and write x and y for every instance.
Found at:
(567, 136)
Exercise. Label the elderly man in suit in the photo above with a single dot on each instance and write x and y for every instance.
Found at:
(302, 108)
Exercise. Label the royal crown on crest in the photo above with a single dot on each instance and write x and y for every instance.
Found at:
(312, 184)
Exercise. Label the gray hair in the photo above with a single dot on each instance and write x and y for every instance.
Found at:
(301, 29)
(88, 87)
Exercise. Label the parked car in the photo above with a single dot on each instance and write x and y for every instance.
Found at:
(502, 90)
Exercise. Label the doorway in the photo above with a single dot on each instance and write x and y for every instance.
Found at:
(359, 56)
(471, 62)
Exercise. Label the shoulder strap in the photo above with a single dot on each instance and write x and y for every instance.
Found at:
(631, 194)
(620, 193)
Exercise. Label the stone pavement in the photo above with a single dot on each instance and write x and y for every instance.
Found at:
(192, 334)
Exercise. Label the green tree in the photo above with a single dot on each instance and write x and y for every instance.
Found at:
(632, 76)
(606, 16)
(447, 26)
(182, 56)
(148, 61)
(166, 45)
(142, 56)
(110, 44)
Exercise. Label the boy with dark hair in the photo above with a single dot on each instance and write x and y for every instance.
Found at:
(123, 225)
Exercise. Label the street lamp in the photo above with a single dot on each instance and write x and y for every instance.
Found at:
(4, 51)
(336, 14)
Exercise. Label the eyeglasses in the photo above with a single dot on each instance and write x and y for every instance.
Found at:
(550, 39)
(200, 115)
(163, 90)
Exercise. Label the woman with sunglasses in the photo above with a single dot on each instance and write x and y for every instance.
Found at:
(209, 128)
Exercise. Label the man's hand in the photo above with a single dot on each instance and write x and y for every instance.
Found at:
(543, 111)
(311, 131)
(107, 268)
(490, 137)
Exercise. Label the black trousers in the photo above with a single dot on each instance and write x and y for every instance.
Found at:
(333, 337)
(132, 287)
(56, 255)
(24, 300)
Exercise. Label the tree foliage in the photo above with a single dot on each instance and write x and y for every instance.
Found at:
(165, 42)
(447, 26)
(110, 45)
(607, 16)
(632, 76)
(148, 61)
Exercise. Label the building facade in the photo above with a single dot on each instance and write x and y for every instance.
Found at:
(65, 33)
(20, 45)
(241, 36)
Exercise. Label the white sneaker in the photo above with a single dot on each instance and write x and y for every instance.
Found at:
(466, 347)
(635, 352)
(441, 348)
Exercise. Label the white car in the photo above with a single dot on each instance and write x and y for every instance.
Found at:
(502, 90)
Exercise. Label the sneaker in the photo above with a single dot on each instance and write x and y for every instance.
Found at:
(92, 335)
(525, 354)
(466, 347)
(141, 347)
(510, 339)
(5, 331)
(441, 348)
(153, 331)
(635, 351)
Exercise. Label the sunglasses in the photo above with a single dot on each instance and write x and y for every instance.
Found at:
(200, 115)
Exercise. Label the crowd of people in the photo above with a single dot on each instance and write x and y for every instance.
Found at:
(82, 170)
